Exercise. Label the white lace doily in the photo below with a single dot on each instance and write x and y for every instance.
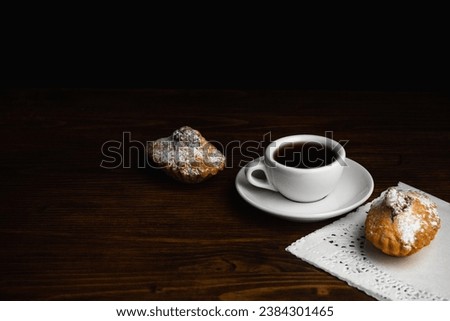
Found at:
(341, 249)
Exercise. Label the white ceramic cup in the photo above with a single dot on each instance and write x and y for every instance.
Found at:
(298, 184)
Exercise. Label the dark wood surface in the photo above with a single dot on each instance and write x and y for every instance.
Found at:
(71, 230)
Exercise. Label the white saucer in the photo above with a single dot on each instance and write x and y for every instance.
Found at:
(354, 188)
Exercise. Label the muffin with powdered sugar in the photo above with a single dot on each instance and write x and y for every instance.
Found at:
(402, 222)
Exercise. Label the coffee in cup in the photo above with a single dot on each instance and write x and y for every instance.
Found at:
(303, 168)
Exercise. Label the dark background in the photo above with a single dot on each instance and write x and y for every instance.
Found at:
(412, 57)
(333, 71)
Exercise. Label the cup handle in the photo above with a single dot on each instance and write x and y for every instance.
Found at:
(258, 165)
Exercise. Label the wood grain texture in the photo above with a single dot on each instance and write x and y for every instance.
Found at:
(71, 230)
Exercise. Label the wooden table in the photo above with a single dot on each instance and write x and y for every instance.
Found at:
(72, 230)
